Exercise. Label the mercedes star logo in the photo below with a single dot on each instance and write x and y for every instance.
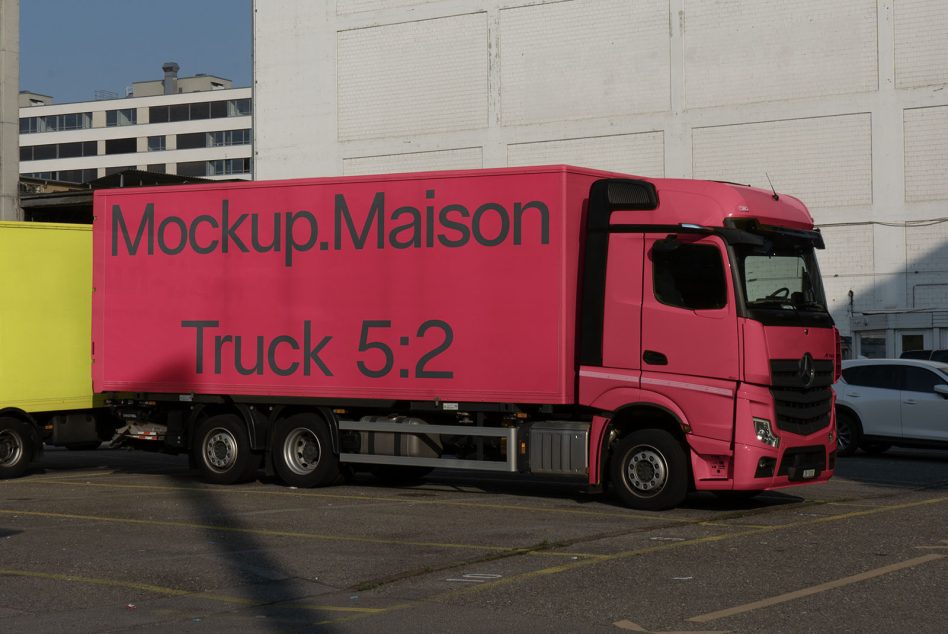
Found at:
(806, 370)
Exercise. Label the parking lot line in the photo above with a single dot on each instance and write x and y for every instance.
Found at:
(709, 539)
(266, 532)
(805, 592)
(177, 592)
(363, 498)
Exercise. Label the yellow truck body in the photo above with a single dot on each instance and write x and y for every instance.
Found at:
(45, 313)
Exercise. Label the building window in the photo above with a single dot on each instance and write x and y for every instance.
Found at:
(238, 108)
(78, 176)
(158, 114)
(121, 146)
(192, 140)
(156, 168)
(156, 143)
(68, 176)
(125, 116)
(872, 345)
(57, 150)
(229, 166)
(192, 168)
(228, 137)
(198, 110)
(115, 170)
(56, 122)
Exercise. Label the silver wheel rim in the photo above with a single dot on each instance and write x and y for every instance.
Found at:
(220, 450)
(301, 451)
(11, 448)
(647, 471)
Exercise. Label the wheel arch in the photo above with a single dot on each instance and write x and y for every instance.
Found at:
(35, 429)
(635, 416)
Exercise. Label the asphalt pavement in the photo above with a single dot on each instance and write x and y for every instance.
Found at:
(119, 541)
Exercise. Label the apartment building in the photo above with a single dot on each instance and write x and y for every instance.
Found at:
(196, 126)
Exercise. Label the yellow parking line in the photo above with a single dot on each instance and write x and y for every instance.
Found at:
(627, 554)
(622, 514)
(266, 532)
(805, 592)
(176, 592)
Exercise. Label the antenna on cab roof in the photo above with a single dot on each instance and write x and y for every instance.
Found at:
(776, 196)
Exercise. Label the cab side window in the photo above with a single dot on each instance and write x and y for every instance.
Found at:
(689, 276)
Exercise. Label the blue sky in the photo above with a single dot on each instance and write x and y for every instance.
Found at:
(71, 49)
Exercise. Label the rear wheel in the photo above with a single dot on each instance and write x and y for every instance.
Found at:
(848, 434)
(222, 450)
(16, 447)
(302, 452)
(649, 470)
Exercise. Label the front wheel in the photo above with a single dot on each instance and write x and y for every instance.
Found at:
(222, 450)
(16, 447)
(302, 452)
(649, 470)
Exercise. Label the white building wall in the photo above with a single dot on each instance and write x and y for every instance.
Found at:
(842, 104)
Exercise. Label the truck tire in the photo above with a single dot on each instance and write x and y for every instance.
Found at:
(649, 470)
(222, 450)
(302, 452)
(16, 447)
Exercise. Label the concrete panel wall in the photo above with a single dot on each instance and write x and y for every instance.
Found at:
(642, 153)
(841, 103)
(926, 154)
(465, 158)
(591, 58)
(770, 50)
(390, 86)
(825, 161)
(921, 43)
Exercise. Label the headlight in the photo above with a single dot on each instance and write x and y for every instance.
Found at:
(764, 433)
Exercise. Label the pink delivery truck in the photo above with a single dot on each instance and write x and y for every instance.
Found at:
(653, 335)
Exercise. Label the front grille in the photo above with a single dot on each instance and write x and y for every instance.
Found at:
(802, 409)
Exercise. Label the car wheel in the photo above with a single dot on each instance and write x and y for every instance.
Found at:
(848, 434)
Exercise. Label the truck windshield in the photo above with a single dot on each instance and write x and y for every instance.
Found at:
(781, 282)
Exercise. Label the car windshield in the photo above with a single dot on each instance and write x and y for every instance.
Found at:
(780, 280)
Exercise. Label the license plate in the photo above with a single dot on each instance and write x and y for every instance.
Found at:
(809, 473)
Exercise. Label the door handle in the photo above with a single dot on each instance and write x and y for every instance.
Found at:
(654, 358)
(910, 401)
(851, 395)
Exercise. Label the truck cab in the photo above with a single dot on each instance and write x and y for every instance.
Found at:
(704, 313)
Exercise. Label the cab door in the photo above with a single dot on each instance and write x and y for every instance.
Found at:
(690, 345)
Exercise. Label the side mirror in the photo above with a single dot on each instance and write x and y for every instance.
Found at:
(942, 390)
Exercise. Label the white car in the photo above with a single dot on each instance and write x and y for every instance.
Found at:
(885, 402)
